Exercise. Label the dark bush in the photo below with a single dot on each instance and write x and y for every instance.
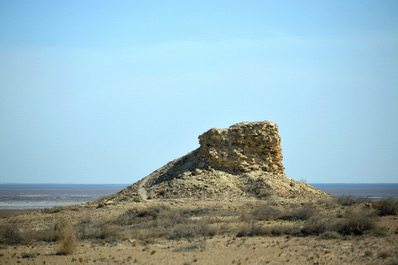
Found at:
(330, 235)
(10, 235)
(301, 213)
(56, 209)
(26, 255)
(136, 216)
(387, 207)
(265, 212)
(253, 229)
(315, 226)
(277, 230)
(155, 216)
(355, 223)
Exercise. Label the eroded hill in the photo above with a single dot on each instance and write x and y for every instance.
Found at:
(243, 161)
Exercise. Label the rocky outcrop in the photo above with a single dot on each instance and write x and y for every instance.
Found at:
(243, 161)
(243, 147)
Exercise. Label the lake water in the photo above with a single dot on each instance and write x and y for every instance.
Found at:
(373, 191)
(40, 196)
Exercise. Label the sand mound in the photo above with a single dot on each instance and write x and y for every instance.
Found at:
(243, 161)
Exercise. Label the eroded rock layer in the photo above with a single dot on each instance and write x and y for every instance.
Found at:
(243, 147)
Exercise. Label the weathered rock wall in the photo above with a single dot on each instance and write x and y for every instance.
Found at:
(243, 147)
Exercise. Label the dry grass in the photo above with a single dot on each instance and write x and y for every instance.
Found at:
(150, 224)
(249, 228)
(65, 236)
(67, 242)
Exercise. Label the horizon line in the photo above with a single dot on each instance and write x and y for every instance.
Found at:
(65, 183)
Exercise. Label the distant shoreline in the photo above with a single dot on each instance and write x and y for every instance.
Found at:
(22, 198)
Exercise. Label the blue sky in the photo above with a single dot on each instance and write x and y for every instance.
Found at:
(109, 91)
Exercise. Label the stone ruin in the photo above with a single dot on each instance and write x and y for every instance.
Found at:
(243, 147)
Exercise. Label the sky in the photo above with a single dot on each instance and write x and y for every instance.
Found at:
(109, 91)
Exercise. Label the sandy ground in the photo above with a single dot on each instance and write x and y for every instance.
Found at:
(220, 249)
(217, 250)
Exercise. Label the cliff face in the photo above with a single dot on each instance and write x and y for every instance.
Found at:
(243, 147)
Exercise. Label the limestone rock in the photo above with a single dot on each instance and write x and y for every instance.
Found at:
(243, 147)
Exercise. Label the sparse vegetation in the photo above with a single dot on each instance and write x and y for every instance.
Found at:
(316, 226)
(300, 213)
(356, 223)
(348, 200)
(345, 216)
(386, 207)
(330, 235)
(265, 212)
(10, 234)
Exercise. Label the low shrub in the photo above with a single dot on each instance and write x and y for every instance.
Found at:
(26, 255)
(380, 231)
(386, 207)
(244, 230)
(67, 242)
(264, 212)
(284, 230)
(330, 235)
(104, 231)
(134, 216)
(356, 223)
(10, 234)
(52, 233)
(301, 213)
(169, 218)
(315, 226)
(253, 229)
(149, 235)
(153, 216)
